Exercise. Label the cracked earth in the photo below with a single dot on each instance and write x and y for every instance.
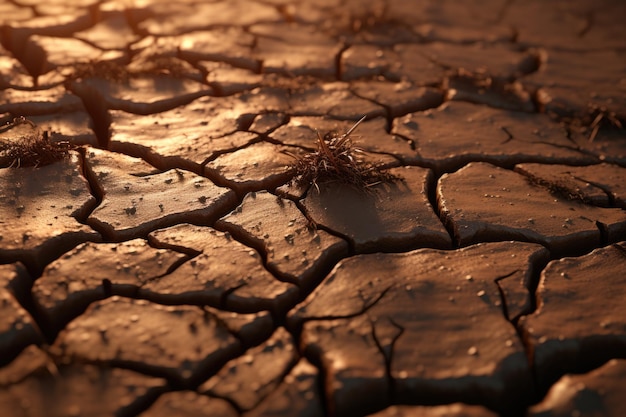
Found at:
(167, 266)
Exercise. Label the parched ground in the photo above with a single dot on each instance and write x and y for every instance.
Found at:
(156, 259)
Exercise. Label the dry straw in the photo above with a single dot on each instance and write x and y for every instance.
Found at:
(336, 159)
(34, 149)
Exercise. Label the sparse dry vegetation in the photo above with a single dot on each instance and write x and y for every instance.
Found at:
(599, 118)
(31, 150)
(592, 121)
(336, 159)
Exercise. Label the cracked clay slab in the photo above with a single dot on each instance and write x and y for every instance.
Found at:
(569, 82)
(580, 320)
(432, 321)
(457, 133)
(36, 102)
(226, 45)
(334, 100)
(164, 19)
(370, 61)
(280, 231)
(495, 60)
(39, 211)
(187, 135)
(93, 271)
(597, 393)
(222, 273)
(147, 94)
(190, 404)
(55, 19)
(573, 26)
(112, 32)
(428, 64)
(256, 167)
(66, 52)
(393, 216)
(72, 126)
(483, 202)
(451, 410)
(182, 343)
(17, 328)
(248, 379)
(31, 360)
(457, 23)
(602, 185)
(138, 199)
(399, 98)
(298, 395)
(79, 389)
(295, 49)
(228, 80)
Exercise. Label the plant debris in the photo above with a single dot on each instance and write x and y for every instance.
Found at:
(34, 149)
(591, 121)
(338, 160)
(601, 118)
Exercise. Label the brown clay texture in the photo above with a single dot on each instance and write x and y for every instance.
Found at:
(159, 259)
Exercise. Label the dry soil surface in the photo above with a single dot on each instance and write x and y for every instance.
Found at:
(167, 266)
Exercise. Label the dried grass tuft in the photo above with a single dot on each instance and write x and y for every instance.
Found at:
(31, 150)
(601, 118)
(336, 159)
